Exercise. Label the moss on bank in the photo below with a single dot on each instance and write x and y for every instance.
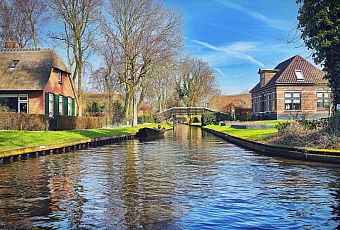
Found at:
(11, 139)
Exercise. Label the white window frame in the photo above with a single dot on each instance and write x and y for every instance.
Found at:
(61, 105)
(60, 76)
(299, 75)
(69, 106)
(50, 105)
(323, 100)
(22, 101)
(292, 98)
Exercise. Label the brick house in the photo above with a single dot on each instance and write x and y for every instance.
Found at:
(294, 89)
(238, 105)
(36, 81)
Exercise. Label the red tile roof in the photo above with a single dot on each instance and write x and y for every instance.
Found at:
(286, 73)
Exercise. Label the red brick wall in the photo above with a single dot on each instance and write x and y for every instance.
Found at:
(308, 98)
(63, 88)
(35, 100)
(36, 103)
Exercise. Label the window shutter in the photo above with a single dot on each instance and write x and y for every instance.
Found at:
(66, 106)
(47, 104)
(73, 107)
(56, 104)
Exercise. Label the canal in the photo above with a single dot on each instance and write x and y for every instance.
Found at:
(187, 180)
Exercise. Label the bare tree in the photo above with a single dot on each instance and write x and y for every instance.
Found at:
(195, 82)
(160, 85)
(78, 18)
(35, 13)
(13, 24)
(144, 34)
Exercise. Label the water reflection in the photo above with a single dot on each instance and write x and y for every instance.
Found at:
(189, 179)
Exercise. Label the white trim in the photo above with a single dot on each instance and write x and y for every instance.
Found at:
(9, 95)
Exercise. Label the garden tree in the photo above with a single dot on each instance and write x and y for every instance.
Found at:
(35, 13)
(195, 82)
(78, 18)
(94, 109)
(161, 85)
(19, 20)
(319, 23)
(143, 33)
(117, 111)
(13, 25)
(103, 80)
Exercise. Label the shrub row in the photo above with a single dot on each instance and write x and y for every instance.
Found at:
(22, 121)
(36, 122)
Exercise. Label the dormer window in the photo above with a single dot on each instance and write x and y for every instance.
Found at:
(14, 64)
(299, 75)
(60, 76)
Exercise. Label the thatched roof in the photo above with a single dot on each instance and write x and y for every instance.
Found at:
(32, 71)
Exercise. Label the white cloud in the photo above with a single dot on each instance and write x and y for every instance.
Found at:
(236, 50)
(274, 23)
(220, 72)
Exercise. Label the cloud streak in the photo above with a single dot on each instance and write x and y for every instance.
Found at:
(274, 23)
(236, 50)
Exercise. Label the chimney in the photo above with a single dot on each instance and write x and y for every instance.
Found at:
(11, 44)
(266, 75)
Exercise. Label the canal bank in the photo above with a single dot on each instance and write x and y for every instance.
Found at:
(313, 155)
(187, 180)
(65, 141)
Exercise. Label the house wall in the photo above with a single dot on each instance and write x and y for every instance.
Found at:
(308, 103)
(35, 100)
(268, 115)
(64, 88)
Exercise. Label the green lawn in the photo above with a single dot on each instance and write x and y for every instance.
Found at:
(249, 134)
(10, 139)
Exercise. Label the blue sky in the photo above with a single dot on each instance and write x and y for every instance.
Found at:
(238, 37)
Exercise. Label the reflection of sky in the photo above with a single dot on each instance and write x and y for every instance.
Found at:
(237, 37)
(187, 180)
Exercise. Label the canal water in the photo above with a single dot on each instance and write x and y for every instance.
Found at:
(188, 180)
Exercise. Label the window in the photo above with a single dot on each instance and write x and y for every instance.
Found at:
(50, 105)
(23, 103)
(299, 75)
(61, 105)
(262, 80)
(322, 100)
(69, 106)
(60, 76)
(14, 64)
(273, 102)
(292, 100)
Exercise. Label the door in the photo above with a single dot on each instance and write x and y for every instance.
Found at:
(23, 107)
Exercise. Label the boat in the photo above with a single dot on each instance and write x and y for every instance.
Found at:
(150, 133)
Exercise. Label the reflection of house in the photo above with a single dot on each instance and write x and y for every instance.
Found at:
(293, 89)
(239, 105)
(35, 81)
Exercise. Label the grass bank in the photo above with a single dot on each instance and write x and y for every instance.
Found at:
(248, 134)
(11, 139)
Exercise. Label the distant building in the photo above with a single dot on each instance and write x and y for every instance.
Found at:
(36, 81)
(238, 105)
(294, 89)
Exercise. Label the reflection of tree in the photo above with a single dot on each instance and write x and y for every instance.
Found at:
(335, 186)
(65, 189)
(131, 193)
(46, 190)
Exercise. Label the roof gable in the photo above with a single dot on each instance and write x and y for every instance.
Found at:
(286, 73)
(33, 70)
